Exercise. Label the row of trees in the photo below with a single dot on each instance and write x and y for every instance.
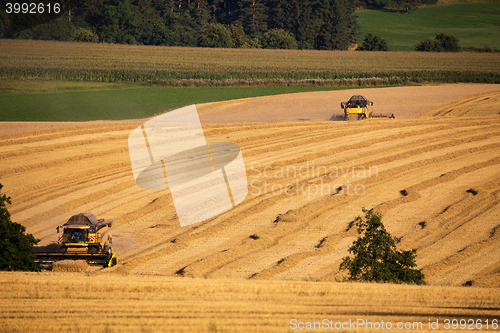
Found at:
(405, 5)
(313, 24)
(442, 43)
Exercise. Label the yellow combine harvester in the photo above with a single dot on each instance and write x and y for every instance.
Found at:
(84, 237)
(358, 108)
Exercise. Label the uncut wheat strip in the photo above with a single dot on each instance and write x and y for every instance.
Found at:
(47, 284)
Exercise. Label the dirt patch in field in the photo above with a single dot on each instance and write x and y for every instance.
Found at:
(403, 102)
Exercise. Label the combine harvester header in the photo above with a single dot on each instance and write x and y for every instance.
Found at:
(84, 237)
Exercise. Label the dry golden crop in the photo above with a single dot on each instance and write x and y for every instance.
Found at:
(92, 302)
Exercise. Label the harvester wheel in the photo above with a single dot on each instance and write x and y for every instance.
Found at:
(107, 249)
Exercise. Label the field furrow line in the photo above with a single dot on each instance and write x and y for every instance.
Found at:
(49, 135)
(324, 205)
(61, 161)
(24, 151)
(61, 185)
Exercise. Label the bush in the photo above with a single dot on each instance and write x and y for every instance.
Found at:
(15, 246)
(484, 49)
(448, 43)
(278, 39)
(58, 29)
(373, 43)
(239, 39)
(442, 43)
(215, 35)
(427, 45)
(375, 256)
(85, 35)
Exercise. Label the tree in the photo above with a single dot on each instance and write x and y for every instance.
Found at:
(121, 24)
(16, 248)
(85, 35)
(448, 43)
(319, 24)
(408, 4)
(375, 256)
(427, 45)
(252, 15)
(374, 3)
(373, 43)
(442, 43)
(278, 39)
(215, 35)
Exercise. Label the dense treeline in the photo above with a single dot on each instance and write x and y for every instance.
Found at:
(309, 24)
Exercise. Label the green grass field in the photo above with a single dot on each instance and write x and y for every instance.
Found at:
(110, 102)
(474, 24)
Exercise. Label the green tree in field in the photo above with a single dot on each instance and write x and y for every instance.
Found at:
(442, 43)
(215, 35)
(278, 39)
(85, 35)
(408, 5)
(16, 248)
(448, 43)
(239, 39)
(373, 43)
(376, 258)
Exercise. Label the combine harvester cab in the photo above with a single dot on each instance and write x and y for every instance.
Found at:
(84, 237)
(358, 108)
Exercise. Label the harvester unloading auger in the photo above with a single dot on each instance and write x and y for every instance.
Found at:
(84, 237)
(358, 108)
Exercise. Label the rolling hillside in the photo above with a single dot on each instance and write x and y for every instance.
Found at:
(435, 180)
(473, 23)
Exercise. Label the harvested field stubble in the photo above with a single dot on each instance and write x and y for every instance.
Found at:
(435, 180)
(274, 257)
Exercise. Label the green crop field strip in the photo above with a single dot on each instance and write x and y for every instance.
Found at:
(474, 24)
(117, 103)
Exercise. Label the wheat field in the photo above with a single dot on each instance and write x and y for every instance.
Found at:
(93, 302)
(274, 257)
